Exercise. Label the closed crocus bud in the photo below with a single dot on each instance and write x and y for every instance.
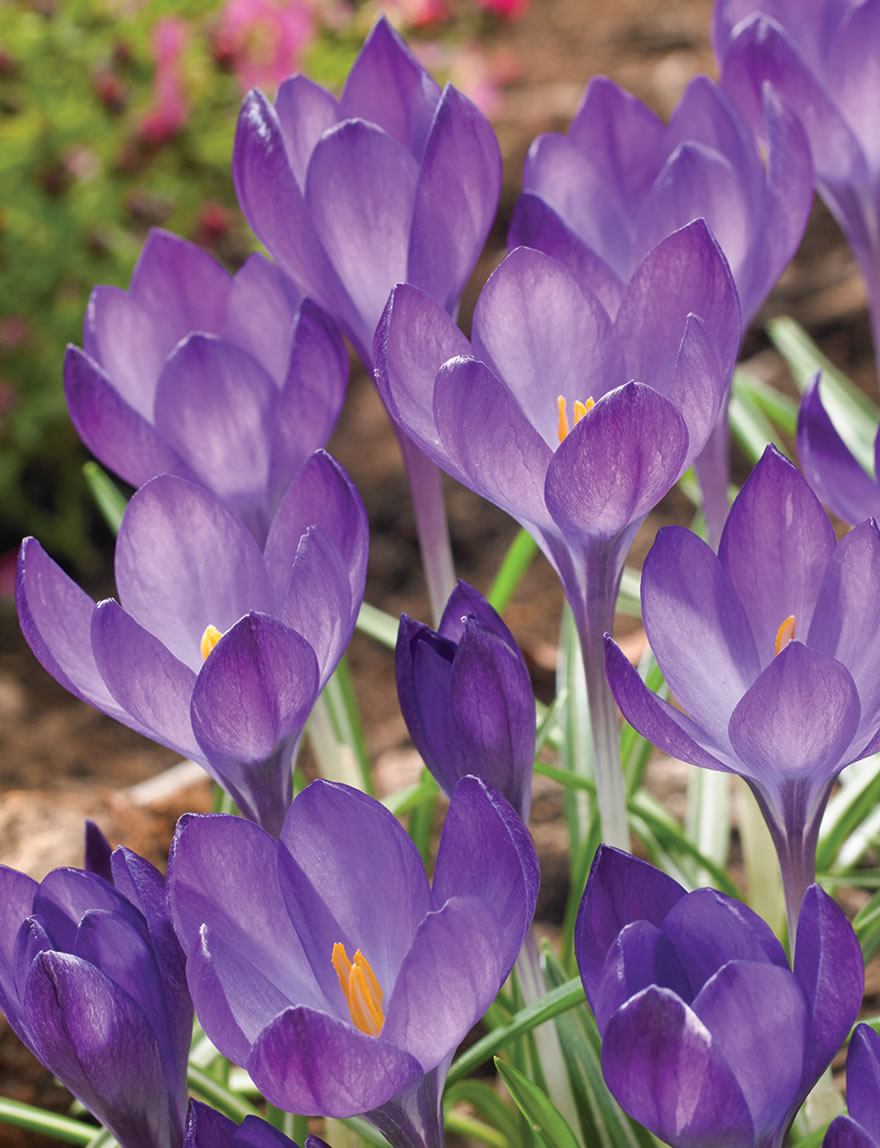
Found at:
(467, 699)
(861, 1128)
(709, 1037)
(92, 980)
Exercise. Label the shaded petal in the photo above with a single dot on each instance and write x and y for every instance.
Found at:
(797, 720)
(544, 336)
(364, 867)
(845, 1133)
(617, 463)
(621, 889)
(128, 345)
(423, 665)
(184, 561)
(486, 852)
(829, 968)
(305, 111)
(664, 1068)
(65, 895)
(775, 547)
(694, 619)
(205, 1127)
(16, 903)
(123, 440)
(754, 1012)
(456, 197)
(261, 312)
(180, 286)
(852, 73)
(97, 852)
(698, 387)
(863, 1078)
(448, 979)
(640, 955)
(153, 687)
(318, 603)
(705, 115)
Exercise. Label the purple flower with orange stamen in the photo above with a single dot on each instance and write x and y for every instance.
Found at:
(215, 648)
(327, 965)
(229, 381)
(772, 649)
(861, 1128)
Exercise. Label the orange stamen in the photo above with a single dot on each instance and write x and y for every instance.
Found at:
(580, 409)
(785, 633)
(210, 638)
(361, 990)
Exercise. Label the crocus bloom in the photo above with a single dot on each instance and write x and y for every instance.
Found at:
(829, 466)
(230, 381)
(602, 196)
(708, 1037)
(822, 60)
(540, 414)
(206, 1128)
(467, 699)
(772, 649)
(861, 1128)
(92, 980)
(214, 648)
(328, 966)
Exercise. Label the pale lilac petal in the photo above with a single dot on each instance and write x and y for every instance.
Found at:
(319, 604)
(180, 287)
(863, 1078)
(261, 312)
(127, 344)
(811, 22)
(305, 111)
(698, 387)
(852, 73)
(705, 115)
(16, 903)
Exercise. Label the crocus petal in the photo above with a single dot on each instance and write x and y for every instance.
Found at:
(145, 678)
(183, 562)
(705, 115)
(693, 618)
(863, 1078)
(828, 966)
(663, 1066)
(319, 604)
(261, 311)
(797, 720)
(205, 1127)
(114, 431)
(253, 695)
(754, 1012)
(305, 111)
(360, 193)
(458, 951)
(364, 867)
(845, 1133)
(775, 547)
(698, 386)
(180, 287)
(617, 463)
(452, 216)
(620, 889)
(97, 852)
(423, 662)
(122, 337)
(16, 899)
(307, 1061)
(852, 73)
(65, 895)
(828, 464)
(640, 955)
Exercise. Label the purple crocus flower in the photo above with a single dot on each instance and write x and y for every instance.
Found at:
(829, 466)
(821, 58)
(861, 1128)
(92, 980)
(603, 196)
(206, 1128)
(231, 382)
(328, 966)
(708, 1036)
(393, 182)
(466, 697)
(494, 413)
(215, 648)
(772, 649)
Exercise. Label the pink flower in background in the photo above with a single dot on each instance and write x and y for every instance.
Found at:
(264, 39)
(169, 109)
(506, 9)
(418, 13)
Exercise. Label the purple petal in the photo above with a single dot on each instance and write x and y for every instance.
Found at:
(364, 867)
(423, 662)
(305, 111)
(639, 956)
(536, 329)
(694, 619)
(456, 197)
(307, 1061)
(617, 463)
(128, 345)
(145, 678)
(97, 852)
(666, 1071)
(845, 1133)
(620, 889)
(828, 966)
(183, 562)
(261, 312)
(775, 547)
(360, 193)
(252, 697)
(180, 287)
(465, 602)
(486, 853)
(698, 387)
(810, 24)
(863, 1078)
(852, 73)
(705, 115)
(206, 1128)
(319, 605)
(16, 903)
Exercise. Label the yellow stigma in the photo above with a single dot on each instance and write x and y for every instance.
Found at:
(580, 409)
(210, 638)
(785, 633)
(360, 989)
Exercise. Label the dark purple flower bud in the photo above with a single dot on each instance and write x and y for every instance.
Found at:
(708, 1036)
(467, 699)
(328, 966)
(231, 382)
(92, 979)
(861, 1128)
(215, 648)
(206, 1128)
(772, 649)
(393, 182)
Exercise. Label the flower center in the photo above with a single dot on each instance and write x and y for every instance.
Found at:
(210, 638)
(785, 633)
(580, 409)
(360, 988)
